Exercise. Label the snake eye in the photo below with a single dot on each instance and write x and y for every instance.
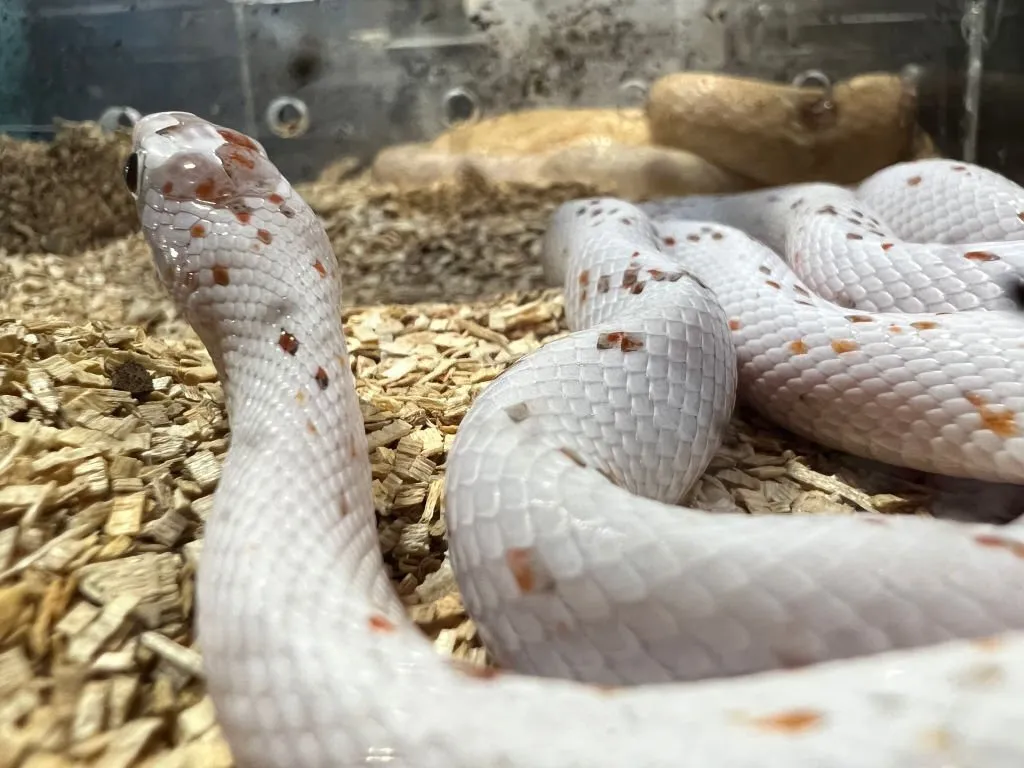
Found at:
(131, 173)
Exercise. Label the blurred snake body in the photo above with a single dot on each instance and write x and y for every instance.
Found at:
(650, 634)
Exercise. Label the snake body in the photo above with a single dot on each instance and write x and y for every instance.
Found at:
(562, 489)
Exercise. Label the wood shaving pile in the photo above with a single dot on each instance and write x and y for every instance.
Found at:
(113, 431)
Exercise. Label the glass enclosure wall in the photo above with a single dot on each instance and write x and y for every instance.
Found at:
(317, 80)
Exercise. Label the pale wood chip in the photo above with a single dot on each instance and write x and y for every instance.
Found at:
(15, 671)
(128, 741)
(87, 643)
(829, 484)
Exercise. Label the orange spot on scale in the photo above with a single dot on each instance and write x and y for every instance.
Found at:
(791, 721)
(518, 561)
(913, 181)
(264, 236)
(717, 235)
(997, 542)
(772, 284)
(798, 347)
(243, 216)
(859, 318)
(895, 329)
(380, 623)
(992, 643)
(693, 238)
(887, 246)
(167, 188)
(735, 325)
(275, 199)
(220, 274)
(924, 325)
(197, 230)
(839, 346)
(311, 428)
(670, 241)
(997, 418)
(320, 268)
(584, 278)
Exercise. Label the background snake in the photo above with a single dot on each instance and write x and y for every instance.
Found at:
(561, 488)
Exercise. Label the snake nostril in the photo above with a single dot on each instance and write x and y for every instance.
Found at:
(131, 173)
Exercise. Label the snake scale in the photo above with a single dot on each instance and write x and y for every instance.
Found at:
(649, 634)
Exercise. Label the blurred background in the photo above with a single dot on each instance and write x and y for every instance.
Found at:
(318, 80)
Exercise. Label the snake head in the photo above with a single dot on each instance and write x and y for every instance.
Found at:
(185, 172)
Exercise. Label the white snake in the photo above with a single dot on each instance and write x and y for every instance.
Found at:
(569, 550)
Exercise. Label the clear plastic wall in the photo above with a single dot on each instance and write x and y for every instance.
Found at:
(319, 80)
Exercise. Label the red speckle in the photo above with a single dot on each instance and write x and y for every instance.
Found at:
(275, 198)
(238, 139)
(623, 340)
(913, 181)
(167, 188)
(264, 236)
(772, 284)
(629, 276)
(220, 275)
(981, 256)
(669, 240)
(243, 216)
(197, 230)
(735, 325)
(475, 670)
(288, 343)
(241, 157)
(858, 318)
(322, 379)
(854, 236)
(320, 268)
(380, 623)
(988, 540)
(205, 189)
(924, 325)
(584, 278)
(886, 246)
(693, 238)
